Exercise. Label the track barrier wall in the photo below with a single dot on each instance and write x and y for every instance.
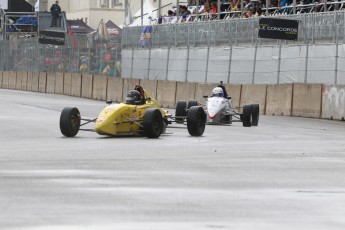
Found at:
(295, 99)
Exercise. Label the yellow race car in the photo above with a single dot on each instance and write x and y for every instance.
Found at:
(138, 115)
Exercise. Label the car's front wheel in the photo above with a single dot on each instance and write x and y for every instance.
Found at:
(153, 123)
(70, 121)
(196, 121)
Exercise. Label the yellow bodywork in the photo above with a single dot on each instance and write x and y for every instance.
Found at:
(125, 119)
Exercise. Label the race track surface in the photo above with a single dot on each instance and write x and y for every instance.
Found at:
(287, 173)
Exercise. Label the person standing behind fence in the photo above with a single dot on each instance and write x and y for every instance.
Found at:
(55, 10)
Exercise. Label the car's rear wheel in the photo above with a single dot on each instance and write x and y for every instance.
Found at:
(255, 114)
(70, 121)
(247, 116)
(192, 103)
(196, 121)
(153, 123)
(181, 111)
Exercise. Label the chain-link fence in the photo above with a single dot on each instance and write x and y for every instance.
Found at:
(325, 27)
(80, 54)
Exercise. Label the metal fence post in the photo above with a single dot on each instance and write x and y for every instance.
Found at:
(149, 63)
(167, 67)
(279, 62)
(207, 62)
(187, 64)
(336, 61)
(306, 63)
(254, 63)
(230, 60)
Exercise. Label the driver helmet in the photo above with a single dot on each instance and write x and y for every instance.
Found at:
(217, 92)
(133, 97)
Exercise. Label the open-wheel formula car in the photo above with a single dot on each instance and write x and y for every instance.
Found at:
(219, 110)
(138, 115)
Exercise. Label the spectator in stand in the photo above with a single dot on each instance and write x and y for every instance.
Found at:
(214, 10)
(259, 13)
(192, 3)
(260, 4)
(184, 12)
(248, 4)
(171, 13)
(206, 9)
(274, 3)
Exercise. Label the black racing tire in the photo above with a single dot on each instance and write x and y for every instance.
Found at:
(196, 121)
(153, 123)
(247, 116)
(255, 114)
(181, 110)
(70, 121)
(192, 103)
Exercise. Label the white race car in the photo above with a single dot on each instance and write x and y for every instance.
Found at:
(219, 110)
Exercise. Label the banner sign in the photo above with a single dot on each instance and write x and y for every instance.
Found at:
(145, 36)
(51, 37)
(278, 28)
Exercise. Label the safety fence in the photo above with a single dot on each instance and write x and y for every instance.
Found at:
(324, 27)
(80, 54)
(318, 63)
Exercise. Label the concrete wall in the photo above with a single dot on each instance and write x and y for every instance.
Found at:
(279, 99)
(166, 93)
(333, 102)
(254, 94)
(305, 100)
(86, 86)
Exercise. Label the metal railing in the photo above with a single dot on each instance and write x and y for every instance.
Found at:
(322, 27)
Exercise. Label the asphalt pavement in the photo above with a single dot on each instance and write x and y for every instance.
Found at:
(287, 173)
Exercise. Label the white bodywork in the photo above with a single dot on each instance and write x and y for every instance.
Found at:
(219, 110)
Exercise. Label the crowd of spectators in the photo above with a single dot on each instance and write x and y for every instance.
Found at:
(209, 9)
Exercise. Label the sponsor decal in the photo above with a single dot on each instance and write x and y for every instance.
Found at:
(275, 28)
(100, 119)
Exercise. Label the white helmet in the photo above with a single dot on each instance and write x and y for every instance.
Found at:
(217, 92)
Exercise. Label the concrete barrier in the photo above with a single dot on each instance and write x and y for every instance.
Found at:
(128, 84)
(35, 80)
(67, 83)
(185, 91)
(234, 91)
(24, 81)
(166, 93)
(201, 90)
(29, 82)
(150, 86)
(333, 102)
(254, 94)
(306, 100)
(114, 90)
(12, 80)
(86, 86)
(99, 91)
(51, 78)
(42, 82)
(5, 79)
(18, 85)
(59, 83)
(76, 85)
(279, 100)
